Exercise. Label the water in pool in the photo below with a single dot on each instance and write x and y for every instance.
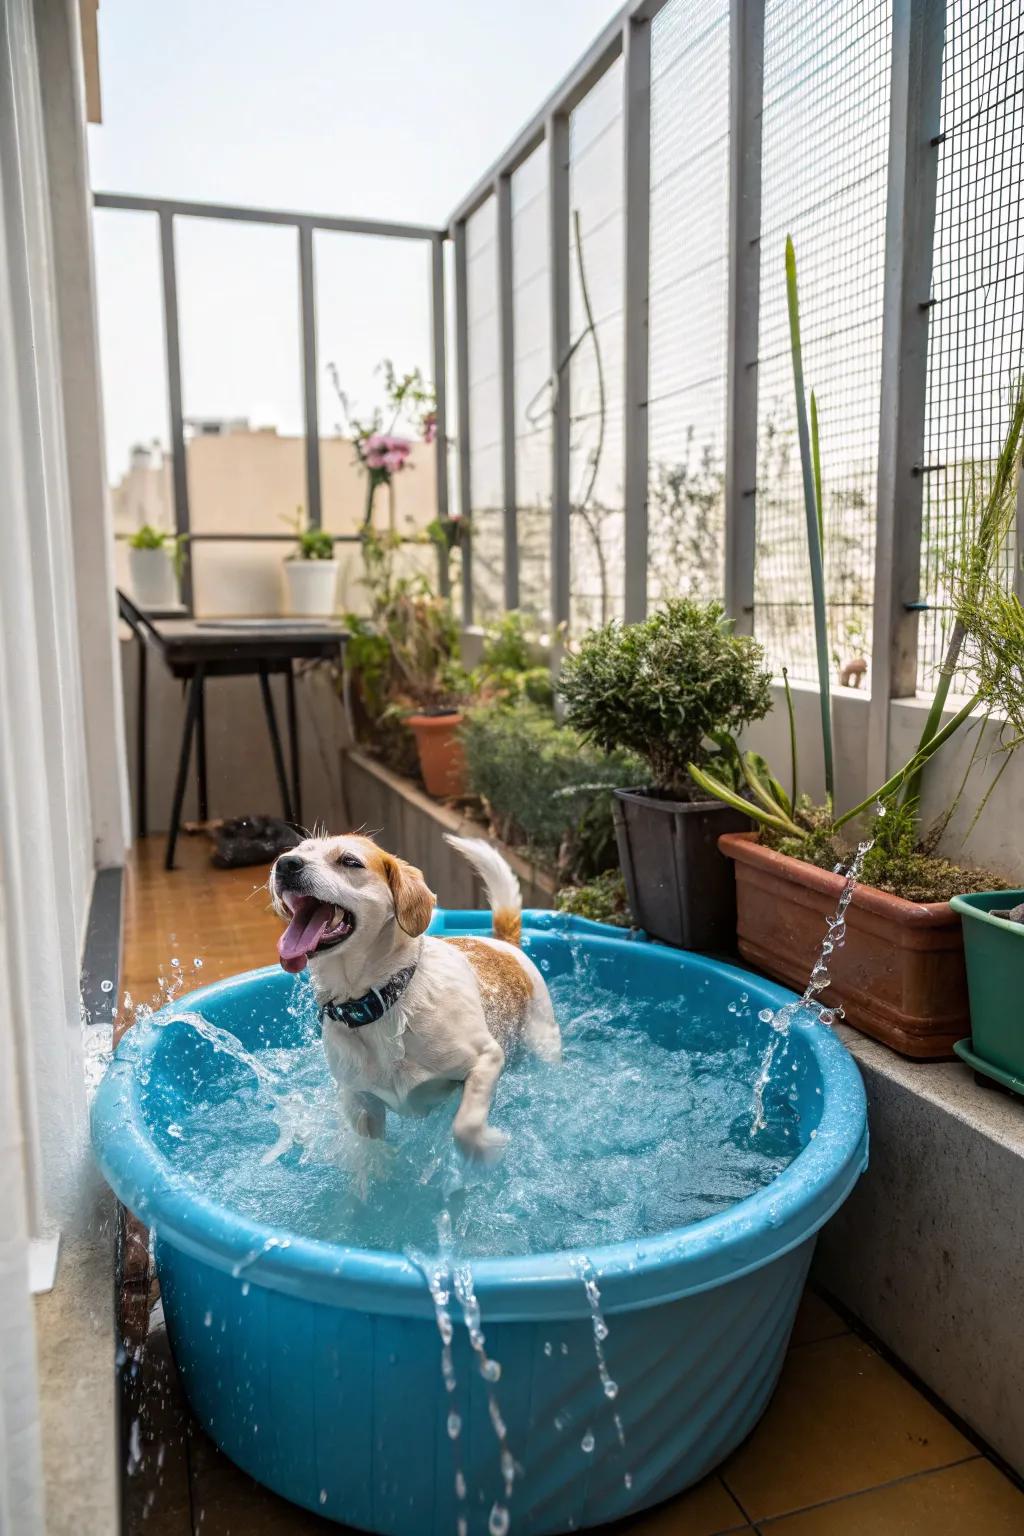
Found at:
(630, 1136)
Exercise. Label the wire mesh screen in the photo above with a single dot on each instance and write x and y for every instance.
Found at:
(531, 318)
(976, 333)
(596, 384)
(486, 491)
(688, 298)
(824, 168)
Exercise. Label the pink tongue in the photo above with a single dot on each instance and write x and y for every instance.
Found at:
(303, 933)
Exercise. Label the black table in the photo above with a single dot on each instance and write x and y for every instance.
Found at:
(196, 649)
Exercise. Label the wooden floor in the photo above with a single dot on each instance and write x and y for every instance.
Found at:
(848, 1446)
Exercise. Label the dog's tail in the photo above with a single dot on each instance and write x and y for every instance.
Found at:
(502, 887)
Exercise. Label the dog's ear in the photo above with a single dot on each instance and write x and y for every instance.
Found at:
(414, 902)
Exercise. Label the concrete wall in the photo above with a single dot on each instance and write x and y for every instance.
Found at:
(998, 839)
(929, 1249)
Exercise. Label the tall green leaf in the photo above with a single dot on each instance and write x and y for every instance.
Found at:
(812, 508)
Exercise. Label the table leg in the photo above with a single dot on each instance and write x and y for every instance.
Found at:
(275, 744)
(293, 742)
(191, 712)
(204, 798)
(141, 818)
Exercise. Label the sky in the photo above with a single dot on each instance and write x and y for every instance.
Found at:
(390, 111)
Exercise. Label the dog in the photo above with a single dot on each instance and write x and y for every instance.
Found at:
(409, 1019)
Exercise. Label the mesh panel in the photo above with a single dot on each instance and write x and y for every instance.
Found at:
(486, 493)
(596, 371)
(531, 307)
(688, 297)
(824, 165)
(976, 338)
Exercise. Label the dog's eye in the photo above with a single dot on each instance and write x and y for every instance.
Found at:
(350, 861)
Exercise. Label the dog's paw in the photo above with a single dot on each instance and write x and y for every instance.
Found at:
(487, 1145)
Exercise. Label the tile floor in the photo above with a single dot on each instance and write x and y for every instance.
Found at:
(848, 1447)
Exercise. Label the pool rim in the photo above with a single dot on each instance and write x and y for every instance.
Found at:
(635, 1273)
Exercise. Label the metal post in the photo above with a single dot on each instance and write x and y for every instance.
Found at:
(179, 468)
(307, 295)
(914, 127)
(746, 83)
(507, 370)
(557, 136)
(636, 46)
(439, 340)
(462, 389)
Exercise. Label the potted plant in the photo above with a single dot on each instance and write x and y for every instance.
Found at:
(993, 924)
(155, 561)
(674, 690)
(895, 964)
(311, 573)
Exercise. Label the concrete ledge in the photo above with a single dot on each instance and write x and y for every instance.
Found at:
(929, 1249)
(409, 823)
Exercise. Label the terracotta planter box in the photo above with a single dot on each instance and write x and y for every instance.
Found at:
(900, 976)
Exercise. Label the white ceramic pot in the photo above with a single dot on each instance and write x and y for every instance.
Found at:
(153, 581)
(311, 587)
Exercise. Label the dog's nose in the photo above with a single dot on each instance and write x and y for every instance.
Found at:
(289, 865)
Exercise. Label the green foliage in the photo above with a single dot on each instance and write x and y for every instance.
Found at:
(896, 862)
(315, 544)
(508, 669)
(669, 689)
(602, 899)
(544, 788)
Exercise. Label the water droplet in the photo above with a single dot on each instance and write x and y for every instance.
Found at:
(207, 1320)
(323, 1495)
(611, 1390)
(175, 1130)
(106, 986)
(245, 1287)
(498, 1523)
(588, 1442)
(454, 1425)
(628, 1479)
(490, 1370)
(460, 1485)
(766, 1016)
(175, 963)
(565, 1349)
(197, 963)
(548, 1348)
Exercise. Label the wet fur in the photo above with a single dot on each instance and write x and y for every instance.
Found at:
(471, 1001)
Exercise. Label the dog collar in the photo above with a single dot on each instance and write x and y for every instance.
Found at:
(373, 1005)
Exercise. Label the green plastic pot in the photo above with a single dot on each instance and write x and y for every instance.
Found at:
(994, 950)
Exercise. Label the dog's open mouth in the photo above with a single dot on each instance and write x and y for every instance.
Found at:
(315, 926)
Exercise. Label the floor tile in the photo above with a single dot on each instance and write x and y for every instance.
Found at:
(973, 1499)
(842, 1420)
(704, 1510)
(816, 1320)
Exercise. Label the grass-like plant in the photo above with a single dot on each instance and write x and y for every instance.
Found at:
(674, 689)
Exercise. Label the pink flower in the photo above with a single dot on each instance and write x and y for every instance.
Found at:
(429, 426)
(375, 450)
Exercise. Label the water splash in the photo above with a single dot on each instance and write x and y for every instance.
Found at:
(437, 1273)
(584, 1269)
(490, 1370)
(820, 978)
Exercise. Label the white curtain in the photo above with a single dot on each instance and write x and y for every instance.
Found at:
(46, 821)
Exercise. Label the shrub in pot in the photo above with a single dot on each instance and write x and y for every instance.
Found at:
(545, 790)
(674, 690)
(311, 575)
(155, 562)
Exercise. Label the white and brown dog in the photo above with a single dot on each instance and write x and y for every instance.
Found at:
(408, 1018)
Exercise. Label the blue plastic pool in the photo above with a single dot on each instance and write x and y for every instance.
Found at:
(315, 1366)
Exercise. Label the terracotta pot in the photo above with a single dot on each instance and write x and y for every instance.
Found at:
(442, 762)
(900, 975)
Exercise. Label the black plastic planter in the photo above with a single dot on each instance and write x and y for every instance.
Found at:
(681, 889)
